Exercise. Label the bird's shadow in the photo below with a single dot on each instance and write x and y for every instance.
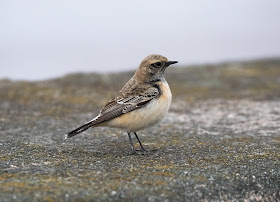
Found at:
(149, 152)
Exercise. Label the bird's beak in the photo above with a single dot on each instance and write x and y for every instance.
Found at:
(171, 63)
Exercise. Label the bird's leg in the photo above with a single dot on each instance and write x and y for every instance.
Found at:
(140, 142)
(131, 144)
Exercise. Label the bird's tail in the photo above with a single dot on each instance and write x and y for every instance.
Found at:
(81, 129)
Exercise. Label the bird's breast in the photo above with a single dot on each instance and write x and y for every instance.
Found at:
(166, 95)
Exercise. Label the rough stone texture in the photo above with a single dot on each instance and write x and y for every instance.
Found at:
(220, 140)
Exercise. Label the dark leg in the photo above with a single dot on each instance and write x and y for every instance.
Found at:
(131, 144)
(139, 142)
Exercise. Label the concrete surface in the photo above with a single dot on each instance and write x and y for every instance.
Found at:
(220, 140)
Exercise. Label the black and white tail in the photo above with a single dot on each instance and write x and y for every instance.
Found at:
(81, 128)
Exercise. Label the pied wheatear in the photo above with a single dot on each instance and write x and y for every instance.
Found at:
(141, 103)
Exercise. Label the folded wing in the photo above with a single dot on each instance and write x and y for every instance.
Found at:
(118, 107)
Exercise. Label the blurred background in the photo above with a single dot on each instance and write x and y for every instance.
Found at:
(47, 39)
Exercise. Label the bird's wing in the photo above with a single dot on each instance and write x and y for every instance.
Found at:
(120, 106)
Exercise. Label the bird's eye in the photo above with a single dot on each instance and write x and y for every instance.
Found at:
(157, 64)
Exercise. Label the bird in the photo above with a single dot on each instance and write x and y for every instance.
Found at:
(142, 102)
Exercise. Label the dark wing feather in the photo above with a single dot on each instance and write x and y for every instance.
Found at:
(121, 106)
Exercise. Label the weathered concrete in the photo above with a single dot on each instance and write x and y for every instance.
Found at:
(220, 141)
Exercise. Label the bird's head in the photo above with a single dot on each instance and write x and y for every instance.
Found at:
(153, 67)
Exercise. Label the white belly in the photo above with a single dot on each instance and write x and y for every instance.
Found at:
(147, 116)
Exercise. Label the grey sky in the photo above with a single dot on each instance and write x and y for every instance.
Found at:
(44, 39)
